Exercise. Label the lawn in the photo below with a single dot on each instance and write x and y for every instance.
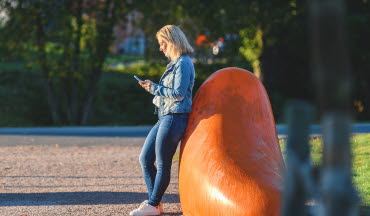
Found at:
(360, 163)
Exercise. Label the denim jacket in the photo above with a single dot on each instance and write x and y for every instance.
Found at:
(173, 93)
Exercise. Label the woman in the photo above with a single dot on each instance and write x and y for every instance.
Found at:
(173, 101)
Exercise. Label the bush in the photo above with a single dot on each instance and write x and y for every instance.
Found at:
(119, 100)
(22, 100)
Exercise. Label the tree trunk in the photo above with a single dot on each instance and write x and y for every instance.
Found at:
(65, 85)
(48, 84)
(73, 102)
(105, 30)
(91, 91)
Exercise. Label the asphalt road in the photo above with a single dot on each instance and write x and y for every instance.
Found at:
(133, 131)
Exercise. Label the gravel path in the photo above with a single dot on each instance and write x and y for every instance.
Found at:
(75, 176)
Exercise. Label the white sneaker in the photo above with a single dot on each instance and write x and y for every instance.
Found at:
(160, 206)
(146, 210)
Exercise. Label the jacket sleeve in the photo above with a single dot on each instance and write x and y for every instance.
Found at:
(181, 83)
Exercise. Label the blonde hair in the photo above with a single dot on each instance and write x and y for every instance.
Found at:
(176, 39)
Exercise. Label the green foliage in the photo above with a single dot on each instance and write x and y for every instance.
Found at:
(67, 41)
(118, 101)
(270, 36)
(252, 39)
(22, 100)
(121, 101)
(121, 59)
(12, 66)
(143, 69)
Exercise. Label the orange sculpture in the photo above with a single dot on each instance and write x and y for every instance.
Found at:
(230, 158)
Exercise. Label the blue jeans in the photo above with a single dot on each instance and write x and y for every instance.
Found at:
(160, 147)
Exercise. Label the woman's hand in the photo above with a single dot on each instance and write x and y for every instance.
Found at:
(146, 84)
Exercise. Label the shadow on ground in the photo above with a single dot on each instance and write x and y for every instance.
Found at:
(77, 198)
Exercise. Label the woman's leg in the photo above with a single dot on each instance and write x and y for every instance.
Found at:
(147, 158)
(171, 130)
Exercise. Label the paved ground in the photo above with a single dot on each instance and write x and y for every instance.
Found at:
(50, 175)
(89, 174)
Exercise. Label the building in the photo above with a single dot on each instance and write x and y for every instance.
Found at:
(128, 38)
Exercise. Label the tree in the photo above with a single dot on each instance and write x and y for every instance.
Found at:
(358, 19)
(67, 41)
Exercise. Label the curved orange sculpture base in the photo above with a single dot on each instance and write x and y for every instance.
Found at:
(230, 159)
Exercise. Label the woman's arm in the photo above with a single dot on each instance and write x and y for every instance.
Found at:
(181, 83)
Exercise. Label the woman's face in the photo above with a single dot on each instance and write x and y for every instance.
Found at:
(163, 46)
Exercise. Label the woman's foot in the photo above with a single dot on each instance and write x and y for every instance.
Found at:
(160, 206)
(146, 209)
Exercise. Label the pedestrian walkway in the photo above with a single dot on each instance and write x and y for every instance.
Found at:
(75, 178)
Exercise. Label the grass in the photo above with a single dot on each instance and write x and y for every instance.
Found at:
(361, 169)
(360, 145)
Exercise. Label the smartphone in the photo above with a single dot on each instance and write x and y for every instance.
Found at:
(137, 78)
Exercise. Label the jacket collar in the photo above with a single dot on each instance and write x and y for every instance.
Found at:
(171, 65)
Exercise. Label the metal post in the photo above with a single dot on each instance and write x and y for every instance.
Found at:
(299, 185)
(331, 69)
